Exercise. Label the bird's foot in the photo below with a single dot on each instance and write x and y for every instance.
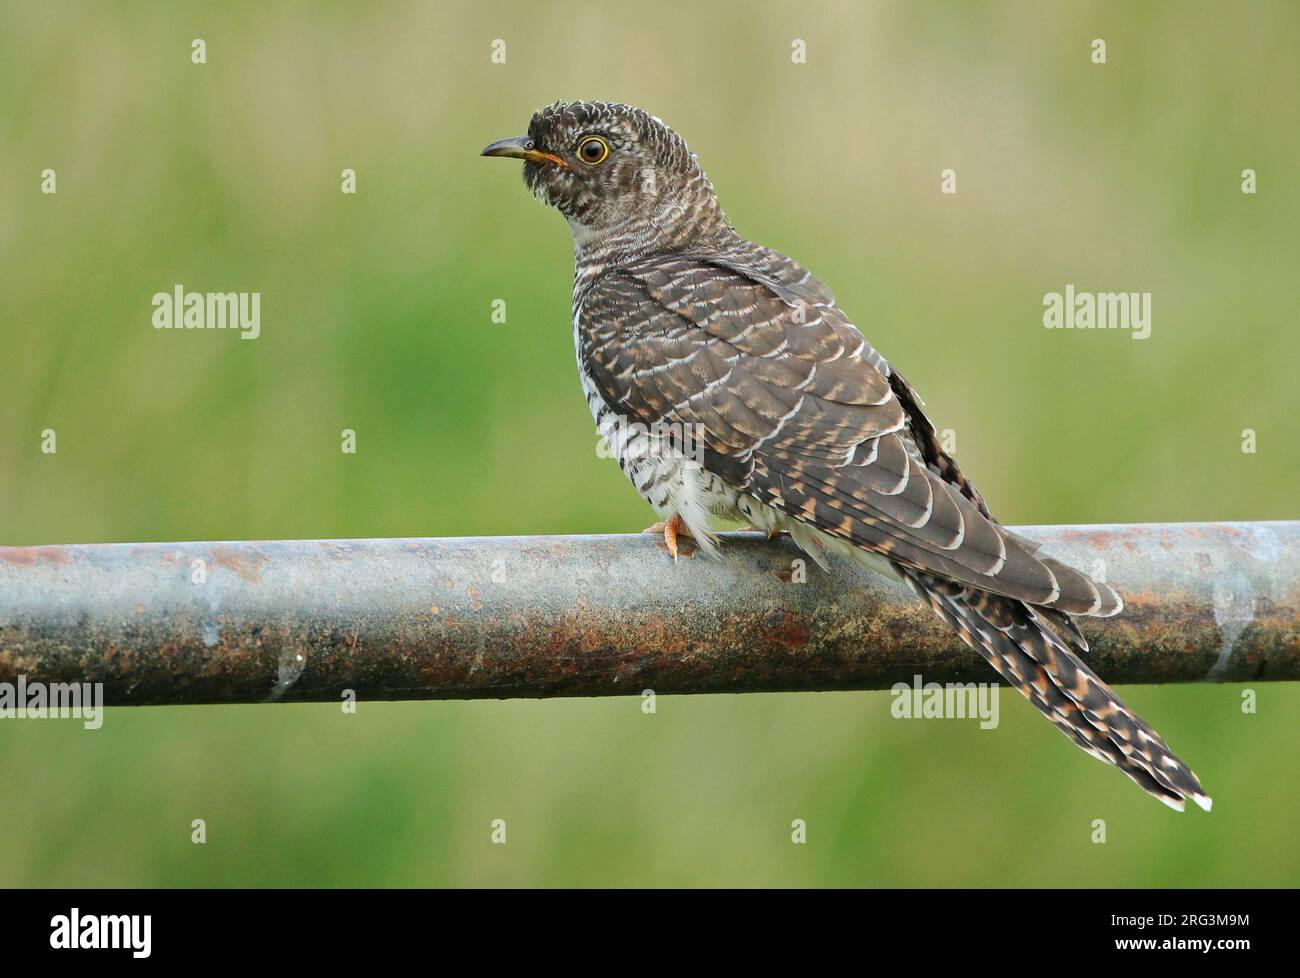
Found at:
(673, 529)
(750, 528)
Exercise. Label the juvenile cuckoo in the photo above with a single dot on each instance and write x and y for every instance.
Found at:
(688, 334)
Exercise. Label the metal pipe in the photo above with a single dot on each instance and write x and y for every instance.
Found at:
(171, 623)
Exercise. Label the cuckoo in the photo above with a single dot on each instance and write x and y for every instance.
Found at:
(728, 383)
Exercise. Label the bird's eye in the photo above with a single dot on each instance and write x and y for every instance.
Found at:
(593, 150)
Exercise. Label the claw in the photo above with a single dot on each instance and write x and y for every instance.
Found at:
(671, 528)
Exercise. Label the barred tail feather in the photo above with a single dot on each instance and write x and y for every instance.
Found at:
(1031, 648)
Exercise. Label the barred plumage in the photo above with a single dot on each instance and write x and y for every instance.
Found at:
(680, 321)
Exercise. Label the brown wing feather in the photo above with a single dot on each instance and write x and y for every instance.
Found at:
(798, 409)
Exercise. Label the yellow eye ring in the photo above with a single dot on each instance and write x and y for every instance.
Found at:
(592, 150)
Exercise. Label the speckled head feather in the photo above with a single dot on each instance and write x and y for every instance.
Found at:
(646, 190)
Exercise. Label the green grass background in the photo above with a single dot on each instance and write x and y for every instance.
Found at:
(375, 310)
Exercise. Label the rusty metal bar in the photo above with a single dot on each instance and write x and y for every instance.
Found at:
(171, 623)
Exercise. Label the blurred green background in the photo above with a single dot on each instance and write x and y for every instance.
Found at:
(376, 316)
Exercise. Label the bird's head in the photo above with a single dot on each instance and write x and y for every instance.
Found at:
(618, 174)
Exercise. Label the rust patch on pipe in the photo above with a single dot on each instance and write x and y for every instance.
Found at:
(31, 556)
(786, 629)
(245, 562)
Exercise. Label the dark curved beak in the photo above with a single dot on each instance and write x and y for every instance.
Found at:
(522, 148)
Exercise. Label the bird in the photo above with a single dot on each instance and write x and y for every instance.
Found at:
(729, 383)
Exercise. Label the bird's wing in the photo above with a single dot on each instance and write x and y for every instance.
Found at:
(795, 408)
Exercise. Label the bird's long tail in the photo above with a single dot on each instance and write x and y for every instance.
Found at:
(1031, 648)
